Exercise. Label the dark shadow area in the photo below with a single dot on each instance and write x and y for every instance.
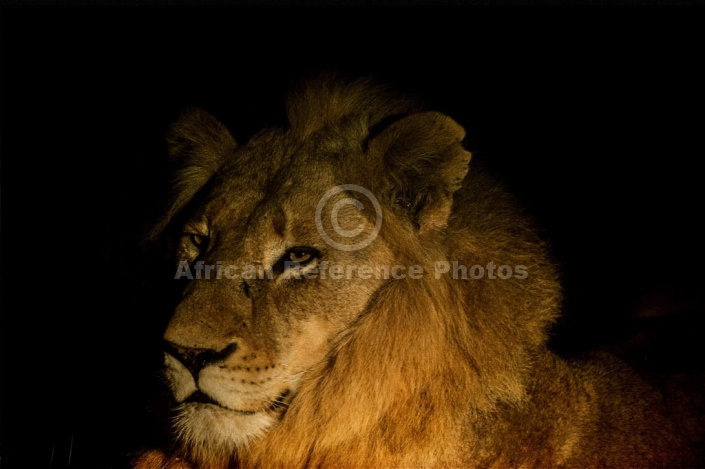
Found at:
(594, 119)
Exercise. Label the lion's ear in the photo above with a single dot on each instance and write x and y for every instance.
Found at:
(198, 143)
(425, 163)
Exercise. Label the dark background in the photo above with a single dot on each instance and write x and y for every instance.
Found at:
(594, 118)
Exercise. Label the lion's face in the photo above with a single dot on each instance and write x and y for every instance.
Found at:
(268, 295)
(283, 254)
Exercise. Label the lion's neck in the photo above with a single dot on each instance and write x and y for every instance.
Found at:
(383, 399)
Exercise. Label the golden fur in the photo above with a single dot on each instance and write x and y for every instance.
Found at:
(433, 371)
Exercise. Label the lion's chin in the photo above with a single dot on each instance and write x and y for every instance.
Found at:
(212, 432)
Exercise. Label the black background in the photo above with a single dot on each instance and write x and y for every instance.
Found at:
(594, 118)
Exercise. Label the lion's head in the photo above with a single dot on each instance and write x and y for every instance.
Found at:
(322, 314)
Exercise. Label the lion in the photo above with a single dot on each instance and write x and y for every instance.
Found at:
(356, 294)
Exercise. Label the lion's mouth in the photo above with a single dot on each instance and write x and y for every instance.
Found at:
(199, 397)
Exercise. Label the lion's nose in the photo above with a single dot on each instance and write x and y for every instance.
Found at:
(194, 359)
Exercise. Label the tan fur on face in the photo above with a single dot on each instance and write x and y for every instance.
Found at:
(358, 373)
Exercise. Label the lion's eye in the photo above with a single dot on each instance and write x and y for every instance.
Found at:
(197, 240)
(299, 256)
